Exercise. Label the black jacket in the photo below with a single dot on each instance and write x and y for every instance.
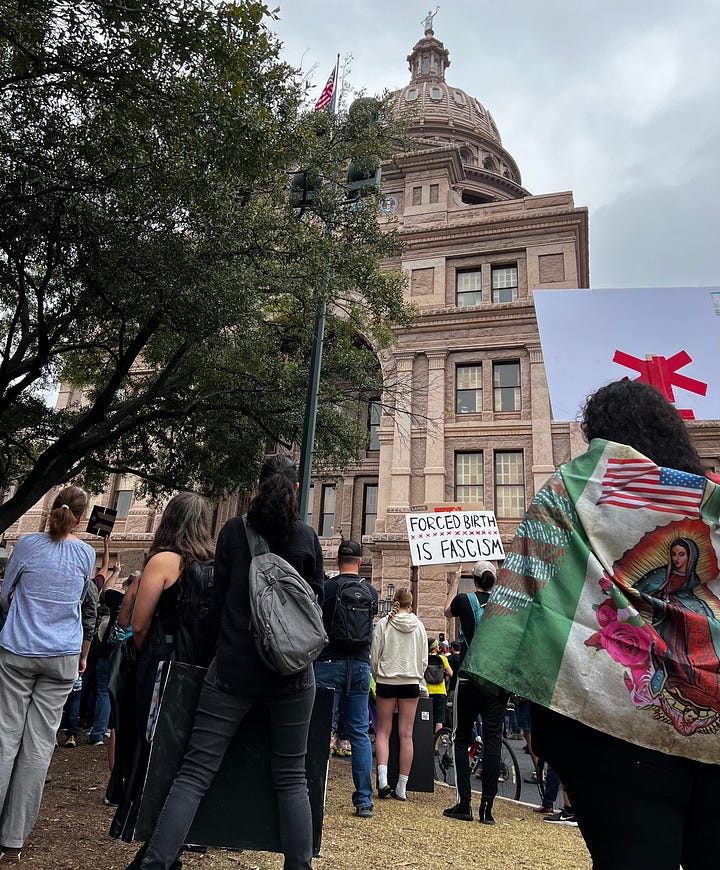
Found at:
(239, 667)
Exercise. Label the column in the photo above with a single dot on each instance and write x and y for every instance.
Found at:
(542, 449)
(400, 468)
(435, 437)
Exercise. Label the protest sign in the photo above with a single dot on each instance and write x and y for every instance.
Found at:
(453, 536)
(101, 521)
(666, 336)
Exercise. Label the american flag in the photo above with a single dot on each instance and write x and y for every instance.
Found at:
(639, 483)
(325, 97)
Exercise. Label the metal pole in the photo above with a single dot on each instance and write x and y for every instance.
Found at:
(311, 402)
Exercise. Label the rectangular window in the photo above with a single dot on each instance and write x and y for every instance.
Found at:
(374, 414)
(123, 500)
(311, 496)
(469, 477)
(506, 384)
(504, 283)
(468, 390)
(509, 484)
(370, 497)
(434, 192)
(327, 510)
(417, 195)
(469, 286)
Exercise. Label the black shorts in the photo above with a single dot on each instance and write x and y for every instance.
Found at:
(397, 690)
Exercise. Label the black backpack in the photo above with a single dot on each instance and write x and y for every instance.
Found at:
(352, 623)
(196, 636)
(435, 671)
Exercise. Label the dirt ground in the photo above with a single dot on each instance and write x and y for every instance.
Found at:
(71, 831)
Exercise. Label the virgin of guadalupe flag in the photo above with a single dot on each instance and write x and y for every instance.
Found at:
(607, 607)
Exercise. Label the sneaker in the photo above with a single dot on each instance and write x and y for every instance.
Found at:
(10, 856)
(459, 812)
(365, 812)
(98, 742)
(546, 810)
(562, 818)
(70, 743)
(384, 792)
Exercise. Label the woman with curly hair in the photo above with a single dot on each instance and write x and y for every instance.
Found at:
(237, 679)
(605, 616)
(41, 655)
(398, 658)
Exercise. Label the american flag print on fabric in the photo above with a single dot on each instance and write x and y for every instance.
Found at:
(325, 97)
(639, 483)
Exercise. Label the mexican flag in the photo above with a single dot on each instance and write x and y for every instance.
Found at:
(607, 607)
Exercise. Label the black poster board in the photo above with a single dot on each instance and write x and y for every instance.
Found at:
(239, 811)
(101, 522)
(422, 772)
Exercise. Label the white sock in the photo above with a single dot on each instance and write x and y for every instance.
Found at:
(382, 775)
(401, 787)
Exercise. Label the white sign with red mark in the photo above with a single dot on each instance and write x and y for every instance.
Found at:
(667, 336)
(453, 536)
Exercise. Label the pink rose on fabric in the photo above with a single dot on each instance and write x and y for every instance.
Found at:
(627, 644)
(606, 613)
(605, 583)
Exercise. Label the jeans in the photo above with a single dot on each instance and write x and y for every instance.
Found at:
(217, 718)
(71, 713)
(469, 703)
(333, 675)
(102, 705)
(637, 808)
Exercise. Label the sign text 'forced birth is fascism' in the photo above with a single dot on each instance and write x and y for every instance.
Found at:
(453, 536)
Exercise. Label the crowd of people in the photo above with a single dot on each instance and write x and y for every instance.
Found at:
(192, 603)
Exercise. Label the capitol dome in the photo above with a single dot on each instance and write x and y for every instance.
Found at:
(441, 114)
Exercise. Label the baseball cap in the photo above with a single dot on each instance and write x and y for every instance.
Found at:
(351, 549)
(482, 566)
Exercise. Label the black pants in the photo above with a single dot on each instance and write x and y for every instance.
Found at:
(217, 718)
(637, 809)
(471, 702)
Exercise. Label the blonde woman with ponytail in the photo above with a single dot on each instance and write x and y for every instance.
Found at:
(398, 659)
(41, 655)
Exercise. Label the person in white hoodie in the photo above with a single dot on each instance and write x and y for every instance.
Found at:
(398, 658)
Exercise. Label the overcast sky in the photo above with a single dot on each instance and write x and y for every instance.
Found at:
(618, 101)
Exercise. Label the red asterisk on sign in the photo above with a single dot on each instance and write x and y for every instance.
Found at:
(662, 374)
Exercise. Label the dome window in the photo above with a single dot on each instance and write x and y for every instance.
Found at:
(425, 64)
(435, 93)
(459, 99)
(490, 164)
(411, 95)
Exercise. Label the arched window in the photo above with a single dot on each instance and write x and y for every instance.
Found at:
(459, 98)
(435, 93)
(411, 95)
(490, 164)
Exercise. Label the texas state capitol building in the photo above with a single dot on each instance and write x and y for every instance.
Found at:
(467, 420)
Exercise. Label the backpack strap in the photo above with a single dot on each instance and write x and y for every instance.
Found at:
(258, 544)
(476, 606)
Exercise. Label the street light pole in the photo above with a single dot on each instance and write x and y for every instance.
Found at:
(311, 402)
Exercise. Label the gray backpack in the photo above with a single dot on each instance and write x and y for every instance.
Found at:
(286, 618)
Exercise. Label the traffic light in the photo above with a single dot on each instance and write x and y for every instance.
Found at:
(362, 180)
(304, 185)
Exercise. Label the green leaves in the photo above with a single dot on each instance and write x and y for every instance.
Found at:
(149, 254)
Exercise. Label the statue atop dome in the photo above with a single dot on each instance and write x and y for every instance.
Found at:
(428, 20)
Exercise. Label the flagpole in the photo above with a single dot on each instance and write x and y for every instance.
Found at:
(336, 89)
(313, 390)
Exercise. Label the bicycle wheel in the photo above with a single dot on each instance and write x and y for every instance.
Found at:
(509, 781)
(444, 758)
